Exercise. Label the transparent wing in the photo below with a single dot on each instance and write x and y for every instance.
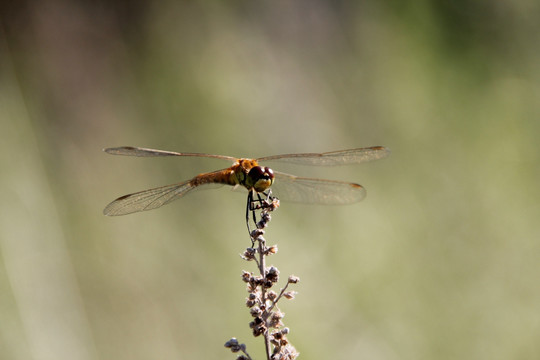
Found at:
(142, 152)
(342, 157)
(316, 191)
(152, 198)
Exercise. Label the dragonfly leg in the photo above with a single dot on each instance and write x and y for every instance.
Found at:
(259, 203)
(269, 197)
(252, 206)
(249, 208)
(256, 206)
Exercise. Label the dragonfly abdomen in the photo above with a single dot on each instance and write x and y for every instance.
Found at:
(226, 177)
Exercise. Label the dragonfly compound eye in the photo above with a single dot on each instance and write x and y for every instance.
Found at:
(269, 172)
(261, 178)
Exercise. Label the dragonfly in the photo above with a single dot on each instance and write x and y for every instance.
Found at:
(262, 183)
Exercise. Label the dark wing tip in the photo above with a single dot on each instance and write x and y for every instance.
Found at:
(122, 197)
(383, 149)
(386, 150)
(356, 186)
(359, 191)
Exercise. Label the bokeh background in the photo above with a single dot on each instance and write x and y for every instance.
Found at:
(440, 261)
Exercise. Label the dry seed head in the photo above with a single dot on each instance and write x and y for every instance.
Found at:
(258, 281)
(272, 295)
(293, 279)
(271, 250)
(249, 254)
(251, 300)
(255, 311)
(246, 276)
(267, 284)
(290, 294)
(275, 319)
(272, 274)
(258, 326)
(235, 346)
(231, 343)
(256, 233)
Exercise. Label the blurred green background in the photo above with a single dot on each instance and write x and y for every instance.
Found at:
(440, 261)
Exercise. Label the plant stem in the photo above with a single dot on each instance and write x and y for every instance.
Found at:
(262, 267)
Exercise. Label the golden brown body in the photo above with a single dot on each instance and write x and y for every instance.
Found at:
(237, 174)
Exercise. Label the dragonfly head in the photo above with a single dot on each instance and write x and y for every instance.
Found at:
(260, 178)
